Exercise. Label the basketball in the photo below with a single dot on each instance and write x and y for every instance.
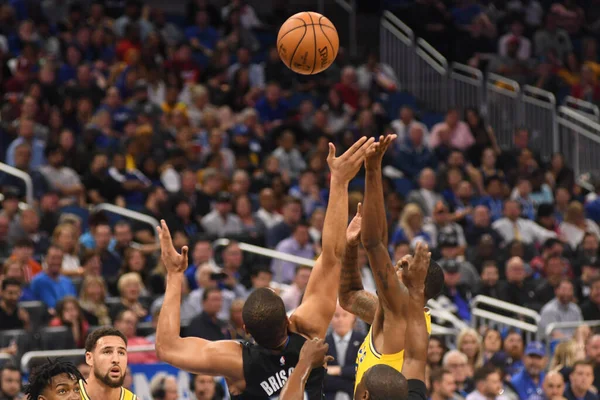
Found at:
(307, 43)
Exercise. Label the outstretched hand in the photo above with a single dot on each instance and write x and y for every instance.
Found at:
(172, 260)
(315, 352)
(346, 166)
(353, 231)
(375, 151)
(414, 275)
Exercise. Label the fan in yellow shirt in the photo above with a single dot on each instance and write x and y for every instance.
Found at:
(106, 354)
(385, 342)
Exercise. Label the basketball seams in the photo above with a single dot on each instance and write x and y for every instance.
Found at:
(315, 40)
(297, 45)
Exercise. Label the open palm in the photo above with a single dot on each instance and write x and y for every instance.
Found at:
(353, 231)
(172, 260)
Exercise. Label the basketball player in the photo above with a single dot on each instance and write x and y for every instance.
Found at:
(381, 381)
(260, 371)
(384, 343)
(106, 354)
(54, 380)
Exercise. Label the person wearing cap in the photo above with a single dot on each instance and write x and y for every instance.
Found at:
(530, 380)
(450, 249)
(221, 221)
(455, 295)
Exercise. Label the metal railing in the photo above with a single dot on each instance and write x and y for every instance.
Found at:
(554, 326)
(521, 312)
(24, 176)
(489, 319)
(262, 251)
(583, 107)
(423, 72)
(578, 140)
(35, 355)
(125, 212)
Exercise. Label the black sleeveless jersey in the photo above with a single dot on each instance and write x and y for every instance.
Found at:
(266, 371)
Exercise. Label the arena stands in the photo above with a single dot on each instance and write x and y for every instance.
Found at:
(117, 114)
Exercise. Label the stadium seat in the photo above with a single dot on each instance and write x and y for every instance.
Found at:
(38, 313)
(12, 335)
(397, 100)
(56, 338)
(145, 329)
(430, 119)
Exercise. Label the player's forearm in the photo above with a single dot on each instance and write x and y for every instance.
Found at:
(294, 387)
(353, 298)
(336, 218)
(417, 337)
(373, 210)
(169, 325)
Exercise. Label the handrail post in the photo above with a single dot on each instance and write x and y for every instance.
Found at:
(24, 176)
(129, 214)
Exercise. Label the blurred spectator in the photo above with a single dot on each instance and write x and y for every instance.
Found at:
(298, 244)
(164, 387)
(290, 160)
(27, 224)
(92, 301)
(425, 197)
(202, 252)
(344, 343)
(26, 135)
(292, 296)
(530, 380)
(266, 212)
(554, 385)
(64, 236)
(69, 314)
(13, 269)
(513, 227)
(492, 344)
(414, 154)
(551, 39)
(588, 88)
(100, 186)
(207, 325)
(516, 32)
(581, 379)
(452, 131)
(10, 382)
(221, 221)
(455, 296)
(5, 247)
(23, 254)
(561, 309)
(410, 227)
(469, 343)
(575, 225)
(188, 309)
(111, 262)
(130, 288)
(50, 286)
(291, 213)
(233, 260)
(208, 276)
(554, 272)
(490, 284)
(488, 383)
(11, 315)
(513, 347)
(236, 322)
(458, 364)
(436, 351)
(126, 321)
(442, 384)
(205, 387)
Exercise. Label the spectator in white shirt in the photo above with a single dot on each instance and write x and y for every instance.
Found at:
(62, 179)
(221, 221)
(292, 296)
(289, 157)
(404, 123)
(513, 227)
(516, 31)
(266, 213)
(488, 383)
(576, 225)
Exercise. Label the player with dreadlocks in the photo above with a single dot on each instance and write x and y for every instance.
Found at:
(54, 380)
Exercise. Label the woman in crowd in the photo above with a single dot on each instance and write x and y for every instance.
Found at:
(469, 342)
(236, 324)
(64, 236)
(69, 314)
(253, 226)
(492, 344)
(435, 352)
(92, 300)
(411, 226)
(135, 261)
(130, 287)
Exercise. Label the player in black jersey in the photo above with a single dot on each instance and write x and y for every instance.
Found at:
(382, 382)
(259, 372)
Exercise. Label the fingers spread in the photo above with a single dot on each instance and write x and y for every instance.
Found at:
(356, 145)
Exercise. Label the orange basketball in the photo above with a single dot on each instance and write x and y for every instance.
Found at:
(307, 43)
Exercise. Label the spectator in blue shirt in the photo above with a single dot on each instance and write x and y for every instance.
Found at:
(414, 155)
(50, 286)
(119, 113)
(528, 383)
(26, 135)
(202, 36)
(581, 380)
(272, 108)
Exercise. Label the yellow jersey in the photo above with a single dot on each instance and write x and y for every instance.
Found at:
(368, 356)
(125, 394)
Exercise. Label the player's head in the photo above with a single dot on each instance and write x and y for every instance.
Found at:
(265, 318)
(106, 354)
(54, 380)
(382, 382)
(434, 281)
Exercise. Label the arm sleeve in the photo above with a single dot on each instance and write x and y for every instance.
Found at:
(416, 390)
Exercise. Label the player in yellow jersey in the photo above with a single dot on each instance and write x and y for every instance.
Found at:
(54, 380)
(106, 354)
(384, 343)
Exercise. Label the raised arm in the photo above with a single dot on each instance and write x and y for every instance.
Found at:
(393, 296)
(313, 316)
(313, 355)
(353, 297)
(222, 358)
(416, 337)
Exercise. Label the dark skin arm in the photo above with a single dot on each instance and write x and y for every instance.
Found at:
(417, 338)
(353, 297)
(221, 358)
(393, 296)
(313, 316)
(313, 355)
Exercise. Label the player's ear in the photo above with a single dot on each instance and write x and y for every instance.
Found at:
(366, 395)
(245, 330)
(88, 358)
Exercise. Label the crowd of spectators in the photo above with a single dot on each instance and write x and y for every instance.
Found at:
(551, 45)
(199, 123)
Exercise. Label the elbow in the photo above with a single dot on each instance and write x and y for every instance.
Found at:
(164, 347)
(345, 301)
(370, 243)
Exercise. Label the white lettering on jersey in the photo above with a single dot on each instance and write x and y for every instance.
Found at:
(275, 383)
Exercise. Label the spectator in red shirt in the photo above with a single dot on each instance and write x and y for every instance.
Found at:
(348, 87)
(126, 321)
(130, 41)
